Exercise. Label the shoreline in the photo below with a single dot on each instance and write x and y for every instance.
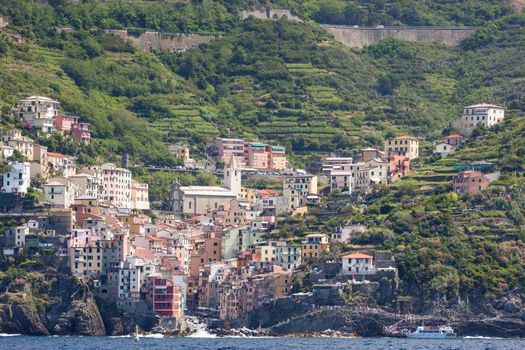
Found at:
(244, 336)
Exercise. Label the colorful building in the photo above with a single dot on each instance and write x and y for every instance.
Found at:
(314, 246)
(470, 181)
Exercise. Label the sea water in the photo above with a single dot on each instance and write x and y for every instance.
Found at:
(240, 343)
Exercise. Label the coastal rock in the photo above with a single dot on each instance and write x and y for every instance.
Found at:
(21, 317)
(116, 326)
(82, 318)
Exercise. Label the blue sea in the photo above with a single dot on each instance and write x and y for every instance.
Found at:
(157, 343)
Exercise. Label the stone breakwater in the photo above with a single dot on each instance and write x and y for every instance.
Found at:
(359, 37)
(151, 41)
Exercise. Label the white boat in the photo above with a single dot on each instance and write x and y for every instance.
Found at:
(137, 335)
(432, 332)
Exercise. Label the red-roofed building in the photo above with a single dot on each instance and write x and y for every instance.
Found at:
(454, 139)
(358, 263)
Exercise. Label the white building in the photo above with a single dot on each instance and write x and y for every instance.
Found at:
(132, 275)
(486, 115)
(335, 163)
(116, 185)
(287, 256)
(86, 185)
(201, 199)
(38, 112)
(16, 237)
(18, 179)
(344, 233)
(60, 192)
(443, 149)
(232, 178)
(358, 263)
(378, 171)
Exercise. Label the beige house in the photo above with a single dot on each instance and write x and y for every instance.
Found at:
(443, 149)
(180, 151)
(486, 115)
(18, 142)
(60, 192)
(407, 145)
(139, 195)
(87, 185)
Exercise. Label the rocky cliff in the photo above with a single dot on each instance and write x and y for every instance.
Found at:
(27, 313)
(82, 318)
(502, 317)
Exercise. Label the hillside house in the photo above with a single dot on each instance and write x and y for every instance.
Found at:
(470, 181)
(358, 263)
(485, 115)
(314, 246)
(406, 145)
(38, 112)
(17, 180)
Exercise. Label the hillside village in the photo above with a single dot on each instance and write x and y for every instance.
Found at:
(287, 168)
(216, 253)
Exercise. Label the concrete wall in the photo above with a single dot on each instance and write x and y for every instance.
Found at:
(149, 41)
(363, 36)
(268, 13)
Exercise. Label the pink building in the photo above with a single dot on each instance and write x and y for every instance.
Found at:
(64, 122)
(470, 181)
(256, 156)
(225, 149)
(81, 133)
(250, 154)
(398, 165)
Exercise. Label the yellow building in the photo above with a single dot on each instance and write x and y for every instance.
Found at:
(249, 194)
(314, 246)
(407, 145)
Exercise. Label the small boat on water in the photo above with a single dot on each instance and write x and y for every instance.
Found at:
(137, 335)
(432, 332)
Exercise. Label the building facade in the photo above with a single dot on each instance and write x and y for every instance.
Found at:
(17, 180)
(407, 145)
(38, 112)
(470, 181)
(485, 115)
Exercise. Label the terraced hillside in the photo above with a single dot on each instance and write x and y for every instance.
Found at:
(275, 81)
